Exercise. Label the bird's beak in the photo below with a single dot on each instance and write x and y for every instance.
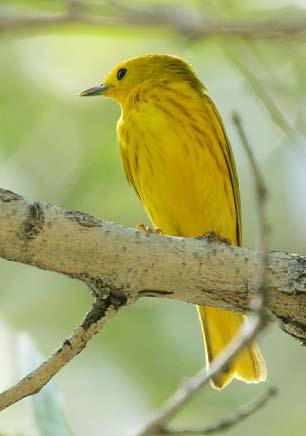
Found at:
(96, 90)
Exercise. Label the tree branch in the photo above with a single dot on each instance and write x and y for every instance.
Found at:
(111, 258)
(102, 310)
(244, 411)
(35, 219)
(247, 333)
(186, 21)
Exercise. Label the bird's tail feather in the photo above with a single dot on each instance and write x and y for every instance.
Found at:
(219, 327)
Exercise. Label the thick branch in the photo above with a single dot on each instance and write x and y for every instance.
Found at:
(126, 262)
(187, 21)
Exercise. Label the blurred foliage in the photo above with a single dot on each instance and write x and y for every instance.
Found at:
(57, 148)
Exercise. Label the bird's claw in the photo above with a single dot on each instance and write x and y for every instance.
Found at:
(215, 236)
(148, 229)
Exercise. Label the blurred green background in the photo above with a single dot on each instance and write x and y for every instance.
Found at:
(58, 148)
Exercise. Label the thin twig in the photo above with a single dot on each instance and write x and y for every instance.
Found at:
(261, 196)
(187, 391)
(101, 311)
(259, 89)
(260, 186)
(244, 411)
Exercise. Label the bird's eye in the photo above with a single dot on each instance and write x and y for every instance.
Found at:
(121, 73)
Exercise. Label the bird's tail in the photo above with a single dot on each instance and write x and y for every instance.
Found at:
(219, 327)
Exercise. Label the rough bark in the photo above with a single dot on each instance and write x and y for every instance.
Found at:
(120, 261)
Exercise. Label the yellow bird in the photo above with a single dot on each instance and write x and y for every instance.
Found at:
(176, 155)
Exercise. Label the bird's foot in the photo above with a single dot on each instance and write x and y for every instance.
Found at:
(148, 229)
(215, 236)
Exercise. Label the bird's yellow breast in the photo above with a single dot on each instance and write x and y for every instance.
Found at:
(172, 154)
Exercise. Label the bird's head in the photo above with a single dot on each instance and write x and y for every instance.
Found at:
(125, 77)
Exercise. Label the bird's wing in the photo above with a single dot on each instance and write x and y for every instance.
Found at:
(227, 152)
